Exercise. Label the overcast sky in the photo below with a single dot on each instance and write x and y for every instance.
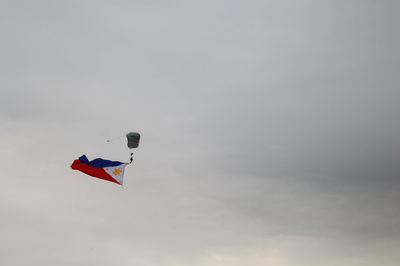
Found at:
(270, 132)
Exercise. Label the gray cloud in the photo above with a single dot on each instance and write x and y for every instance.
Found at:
(270, 132)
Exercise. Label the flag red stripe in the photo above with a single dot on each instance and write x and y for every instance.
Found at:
(92, 171)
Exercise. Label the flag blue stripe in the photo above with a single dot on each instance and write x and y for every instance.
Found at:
(99, 163)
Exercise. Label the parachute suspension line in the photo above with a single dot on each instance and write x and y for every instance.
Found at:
(131, 158)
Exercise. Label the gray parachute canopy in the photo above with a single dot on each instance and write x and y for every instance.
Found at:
(133, 139)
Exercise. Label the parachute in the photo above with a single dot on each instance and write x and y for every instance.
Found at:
(133, 139)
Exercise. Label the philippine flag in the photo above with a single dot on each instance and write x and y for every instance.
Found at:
(112, 171)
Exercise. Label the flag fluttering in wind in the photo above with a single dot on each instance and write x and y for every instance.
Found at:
(112, 171)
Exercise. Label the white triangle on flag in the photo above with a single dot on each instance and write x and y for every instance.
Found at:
(116, 172)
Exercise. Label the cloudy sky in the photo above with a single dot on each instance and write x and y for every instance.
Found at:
(270, 132)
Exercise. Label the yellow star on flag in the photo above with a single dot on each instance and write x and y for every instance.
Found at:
(117, 171)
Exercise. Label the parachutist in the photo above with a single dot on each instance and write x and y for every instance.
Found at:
(133, 139)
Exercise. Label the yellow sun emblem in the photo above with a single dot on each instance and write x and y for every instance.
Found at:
(117, 171)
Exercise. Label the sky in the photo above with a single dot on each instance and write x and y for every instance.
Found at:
(270, 132)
